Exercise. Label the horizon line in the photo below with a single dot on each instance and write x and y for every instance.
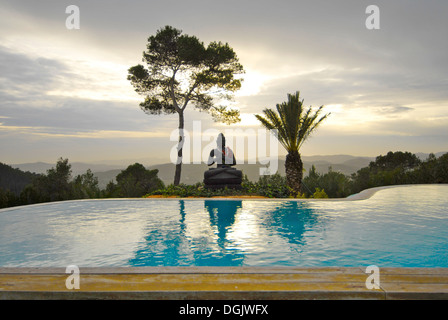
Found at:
(104, 162)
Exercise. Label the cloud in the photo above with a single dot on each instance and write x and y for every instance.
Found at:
(63, 98)
(23, 78)
(77, 116)
(49, 132)
(61, 85)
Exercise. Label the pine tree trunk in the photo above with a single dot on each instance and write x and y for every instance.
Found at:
(179, 149)
(294, 171)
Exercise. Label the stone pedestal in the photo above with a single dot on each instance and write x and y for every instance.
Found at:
(222, 177)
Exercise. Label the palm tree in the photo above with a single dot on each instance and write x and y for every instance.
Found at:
(292, 125)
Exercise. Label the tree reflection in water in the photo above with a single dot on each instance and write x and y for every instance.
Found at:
(291, 220)
(222, 216)
(206, 236)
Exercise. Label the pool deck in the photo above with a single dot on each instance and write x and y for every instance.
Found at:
(225, 283)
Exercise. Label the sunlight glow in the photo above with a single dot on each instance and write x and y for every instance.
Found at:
(97, 80)
(252, 84)
(247, 120)
(97, 134)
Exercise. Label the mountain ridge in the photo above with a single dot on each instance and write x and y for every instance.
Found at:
(192, 173)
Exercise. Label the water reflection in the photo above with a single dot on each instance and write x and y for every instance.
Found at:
(225, 233)
(291, 220)
(222, 216)
(218, 249)
(400, 227)
(162, 246)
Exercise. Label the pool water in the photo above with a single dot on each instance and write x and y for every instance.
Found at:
(398, 227)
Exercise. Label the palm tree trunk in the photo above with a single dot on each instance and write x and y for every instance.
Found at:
(294, 171)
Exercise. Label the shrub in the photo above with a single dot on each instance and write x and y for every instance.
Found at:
(320, 194)
(273, 186)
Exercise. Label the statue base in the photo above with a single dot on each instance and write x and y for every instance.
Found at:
(222, 177)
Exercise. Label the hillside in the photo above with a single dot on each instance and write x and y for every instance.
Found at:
(77, 167)
(105, 177)
(192, 173)
(13, 179)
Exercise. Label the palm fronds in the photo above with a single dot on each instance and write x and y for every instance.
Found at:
(291, 124)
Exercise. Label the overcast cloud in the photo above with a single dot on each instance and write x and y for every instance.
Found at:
(64, 92)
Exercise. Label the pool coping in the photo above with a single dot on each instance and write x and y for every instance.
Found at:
(363, 195)
(225, 283)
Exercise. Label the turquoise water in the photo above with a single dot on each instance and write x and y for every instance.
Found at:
(397, 227)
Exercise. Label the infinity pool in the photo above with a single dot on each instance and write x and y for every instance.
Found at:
(397, 227)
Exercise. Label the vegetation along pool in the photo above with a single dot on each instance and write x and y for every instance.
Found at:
(397, 227)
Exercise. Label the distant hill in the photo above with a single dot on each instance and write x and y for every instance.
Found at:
(13, 179)
(104, 172)
(424, 156)
(77, 167)
(192, 173)
(105, 177)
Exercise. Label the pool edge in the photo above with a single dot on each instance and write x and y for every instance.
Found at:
(224, 283)
(363, 195)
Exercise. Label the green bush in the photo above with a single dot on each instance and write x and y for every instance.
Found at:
(273, 186)
(320, 194)
(196, 190)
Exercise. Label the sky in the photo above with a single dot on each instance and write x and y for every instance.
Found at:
(64, 92)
